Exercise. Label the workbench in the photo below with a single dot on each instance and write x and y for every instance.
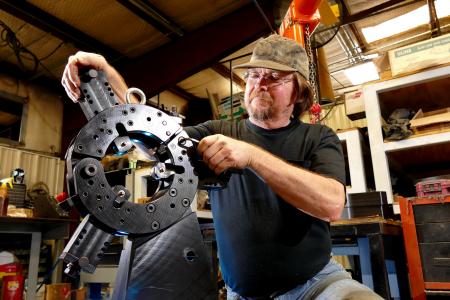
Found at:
(39, 229)
(378, 243)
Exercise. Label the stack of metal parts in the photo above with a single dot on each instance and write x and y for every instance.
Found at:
(368, 204)
(18, 196)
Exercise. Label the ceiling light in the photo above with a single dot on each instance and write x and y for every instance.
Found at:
(362, 73)
(370, 56)
(405, 22)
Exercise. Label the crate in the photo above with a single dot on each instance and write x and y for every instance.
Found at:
(438, 187)
(354, 105)
(366, 205)
(421, 55)
(426, 227)
(433, 121)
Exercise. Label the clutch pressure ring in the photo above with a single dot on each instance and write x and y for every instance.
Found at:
(120, 128)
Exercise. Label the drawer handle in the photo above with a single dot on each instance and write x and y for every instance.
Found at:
(441, 261)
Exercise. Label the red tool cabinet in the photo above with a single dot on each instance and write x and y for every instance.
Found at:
(426, 231)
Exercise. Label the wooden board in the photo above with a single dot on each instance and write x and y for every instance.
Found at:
(433, 121)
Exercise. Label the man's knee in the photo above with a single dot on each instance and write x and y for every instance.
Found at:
(347, 289)
(361, 295)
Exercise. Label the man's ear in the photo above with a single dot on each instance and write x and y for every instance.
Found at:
(294, 95)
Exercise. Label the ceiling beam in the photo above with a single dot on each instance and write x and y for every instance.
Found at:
(165, 66)
(153, 16)
(355, 31)
(227, 73)
(48, 23)
(183, 93)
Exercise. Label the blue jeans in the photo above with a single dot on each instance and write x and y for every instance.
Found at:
(332, 282)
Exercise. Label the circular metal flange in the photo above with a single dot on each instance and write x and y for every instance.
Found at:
(101, 200)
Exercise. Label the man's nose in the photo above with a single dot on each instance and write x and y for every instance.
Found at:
(262, 83)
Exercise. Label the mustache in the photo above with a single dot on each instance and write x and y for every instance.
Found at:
(260, 94)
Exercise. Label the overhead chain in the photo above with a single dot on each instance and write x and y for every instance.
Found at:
(315, 108)
(312, 64)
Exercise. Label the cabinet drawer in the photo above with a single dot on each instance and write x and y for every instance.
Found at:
(433, 232)
(435, 262)
(425, 213)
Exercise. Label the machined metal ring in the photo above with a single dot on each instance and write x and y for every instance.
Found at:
(110, 205)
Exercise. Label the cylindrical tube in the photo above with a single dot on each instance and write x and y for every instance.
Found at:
(12, 288)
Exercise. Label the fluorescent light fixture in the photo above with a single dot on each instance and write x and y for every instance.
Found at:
(370, 56)
(405, 22)
(362, 73)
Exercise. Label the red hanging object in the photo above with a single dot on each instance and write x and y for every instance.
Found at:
(315, 111)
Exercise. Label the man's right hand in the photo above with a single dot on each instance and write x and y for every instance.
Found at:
(70, 79)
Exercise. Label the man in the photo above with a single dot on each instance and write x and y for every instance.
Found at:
(272, 221)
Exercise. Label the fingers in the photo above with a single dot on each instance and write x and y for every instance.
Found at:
(70, 79)
(72, 72)
(219, 162)
(216, 153)
(222, 166)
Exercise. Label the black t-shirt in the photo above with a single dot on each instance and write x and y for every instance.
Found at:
(265, 244)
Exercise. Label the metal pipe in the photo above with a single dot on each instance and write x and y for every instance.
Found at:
(434, 20)
(306, 7)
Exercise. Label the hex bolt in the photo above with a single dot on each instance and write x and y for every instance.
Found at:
(185, 202)
(83, 261)
(182, 141)
(120, 199)
(189, 254)
(151, 208)
(71, 270)
(90, 170)
(92, 73)
(155, 225)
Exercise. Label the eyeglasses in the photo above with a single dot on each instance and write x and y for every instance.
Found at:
(271, 79)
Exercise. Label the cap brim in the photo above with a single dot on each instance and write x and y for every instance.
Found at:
(265, 64)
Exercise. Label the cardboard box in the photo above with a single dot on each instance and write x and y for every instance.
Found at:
(354, 105)
(429, 53)
(57, 291)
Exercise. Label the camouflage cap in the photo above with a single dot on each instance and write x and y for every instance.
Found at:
(278, 53)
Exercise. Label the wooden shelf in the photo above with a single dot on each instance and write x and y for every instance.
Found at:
(427, 91)
(412, 142)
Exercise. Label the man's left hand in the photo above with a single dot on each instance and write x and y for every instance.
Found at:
(221, 153)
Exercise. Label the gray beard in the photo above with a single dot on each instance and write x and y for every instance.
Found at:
(261, 115)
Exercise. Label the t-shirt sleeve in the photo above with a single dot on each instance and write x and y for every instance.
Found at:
(328, 159)
(201, 130)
